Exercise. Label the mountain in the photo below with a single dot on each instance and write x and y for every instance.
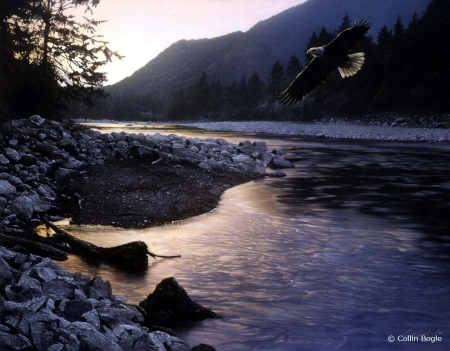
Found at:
(228, 58)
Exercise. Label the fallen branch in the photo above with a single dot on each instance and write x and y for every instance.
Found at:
(34, 247)
(132, 255)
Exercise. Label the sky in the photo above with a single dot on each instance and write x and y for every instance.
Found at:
(141, 29)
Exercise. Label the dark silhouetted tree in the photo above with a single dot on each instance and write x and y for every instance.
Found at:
(59, 55)
(275, 80)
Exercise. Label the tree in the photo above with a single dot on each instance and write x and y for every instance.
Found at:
(293, 68)
(60, 55)
(345, 23)
(275, 78)
(255, 90)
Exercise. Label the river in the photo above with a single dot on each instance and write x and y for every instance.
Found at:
(349, 251)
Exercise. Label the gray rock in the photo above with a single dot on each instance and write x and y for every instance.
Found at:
(260, 146)
(161, 339)
(63, 173)
(3, 160)
(73, 310)
(206, 145)
(57, 269)
(226, 153)
(39, 205)
(25, 290)
(13, 155)
(127, 335)
(258, 168)
(14, 342)
(22, 207)
(59, 289)
(51, 151)
(277, 174)
(246, 148)
(113, 316)
(204, 165)
(279, 161)
(121, 145)
(90, 339)
(3, 204)
(6, 189)
(149, 342)
(43, 327)
(92, 317)
(68, 144)
(170, 305)
(44, 274)
(98, 289)
(37, 120)
(144, 152)
(28, 159)
(242, 159)
(72, 163)
(46, 191)
(213, 162)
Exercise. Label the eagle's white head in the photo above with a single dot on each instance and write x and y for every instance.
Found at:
(316, 52)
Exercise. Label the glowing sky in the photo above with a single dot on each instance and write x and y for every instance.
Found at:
(141, 29)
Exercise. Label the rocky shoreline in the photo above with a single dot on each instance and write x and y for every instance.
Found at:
(44, 162)
(43, 307)
(58, 169)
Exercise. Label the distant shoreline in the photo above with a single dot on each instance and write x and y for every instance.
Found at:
(339, 130)
(392, 130)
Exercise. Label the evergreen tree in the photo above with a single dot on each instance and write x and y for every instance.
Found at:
(293, 68)
(59, 55)
(346, 23)
(275, 80)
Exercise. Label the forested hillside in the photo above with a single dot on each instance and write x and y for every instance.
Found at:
(405, 71)
(230, 57)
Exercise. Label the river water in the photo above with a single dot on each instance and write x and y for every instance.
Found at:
(350, 249)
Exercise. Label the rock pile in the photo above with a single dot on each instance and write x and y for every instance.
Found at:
(37, 154)
(43, 307)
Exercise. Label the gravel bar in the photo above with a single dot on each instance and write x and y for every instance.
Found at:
(331, 130)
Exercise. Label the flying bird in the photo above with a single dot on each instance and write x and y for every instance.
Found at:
(326, 59)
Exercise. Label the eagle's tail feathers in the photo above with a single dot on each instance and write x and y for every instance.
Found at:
(353, 65)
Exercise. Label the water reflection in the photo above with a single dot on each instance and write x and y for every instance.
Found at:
(331, 257)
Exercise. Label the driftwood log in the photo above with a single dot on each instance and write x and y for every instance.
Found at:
(37, 247)
(131, 256)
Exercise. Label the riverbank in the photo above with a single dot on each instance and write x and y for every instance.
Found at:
(395, 131)
(54, 169)
(119, 179)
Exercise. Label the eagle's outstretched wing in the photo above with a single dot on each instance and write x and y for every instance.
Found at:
(347, 39)
(312, 76)
(319, 69)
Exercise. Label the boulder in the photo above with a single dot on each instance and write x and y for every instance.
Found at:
(13, 155)
(98, 289)
(24, 290)
(277, 174)
(22, 207)
(144, 152)
(14, 342)
(279, 161)
(7, 189)
(242, 159)
(246, 148)
(170, 305)
(90, 339)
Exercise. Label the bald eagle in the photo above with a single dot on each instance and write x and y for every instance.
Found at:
(326, 59)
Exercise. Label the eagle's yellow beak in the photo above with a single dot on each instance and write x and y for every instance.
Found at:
(309, 52)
